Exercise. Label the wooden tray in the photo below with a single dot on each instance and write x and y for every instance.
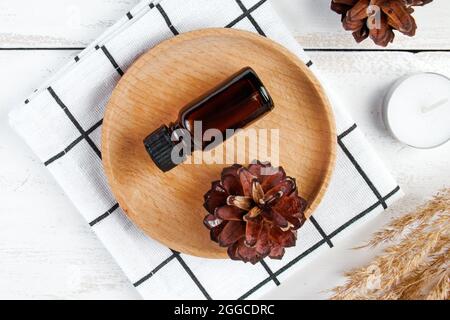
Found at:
(168, 207)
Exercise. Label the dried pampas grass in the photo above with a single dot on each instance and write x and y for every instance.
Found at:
(414, 265)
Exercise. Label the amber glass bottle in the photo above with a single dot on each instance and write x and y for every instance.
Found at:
(234, 104)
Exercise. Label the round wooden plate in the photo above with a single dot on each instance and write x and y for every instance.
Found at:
(169, 206)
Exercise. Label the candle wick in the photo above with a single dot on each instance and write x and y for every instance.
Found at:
(434, 106)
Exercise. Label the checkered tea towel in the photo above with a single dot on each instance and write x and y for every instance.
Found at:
(62, 123)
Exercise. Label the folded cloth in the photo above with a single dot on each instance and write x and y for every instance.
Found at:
(62, 123)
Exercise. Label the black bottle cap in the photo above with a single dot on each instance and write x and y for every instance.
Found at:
(159, 146)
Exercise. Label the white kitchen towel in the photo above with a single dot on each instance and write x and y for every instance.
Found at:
(62, 123)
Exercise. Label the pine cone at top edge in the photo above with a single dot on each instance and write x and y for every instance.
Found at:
(252, 214)
(358, 15)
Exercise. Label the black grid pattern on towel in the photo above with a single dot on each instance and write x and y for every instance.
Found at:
(175, 255)
(272, 276)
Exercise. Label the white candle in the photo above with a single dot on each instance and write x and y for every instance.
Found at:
(417, 110)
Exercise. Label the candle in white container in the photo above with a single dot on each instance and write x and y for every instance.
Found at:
(417, 110)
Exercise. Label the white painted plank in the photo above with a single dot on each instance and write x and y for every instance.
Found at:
(47, 250)
(67, 23)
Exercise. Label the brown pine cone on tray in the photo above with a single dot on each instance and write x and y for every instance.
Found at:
(254, 214)
(378, 19)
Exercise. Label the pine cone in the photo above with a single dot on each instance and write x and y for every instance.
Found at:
(253, 213)
(378, 18)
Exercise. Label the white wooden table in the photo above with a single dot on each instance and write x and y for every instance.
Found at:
(48, 251)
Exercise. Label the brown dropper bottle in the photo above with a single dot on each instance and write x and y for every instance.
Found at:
(234, 104)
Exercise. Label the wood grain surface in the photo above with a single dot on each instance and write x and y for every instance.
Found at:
(168, 206)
